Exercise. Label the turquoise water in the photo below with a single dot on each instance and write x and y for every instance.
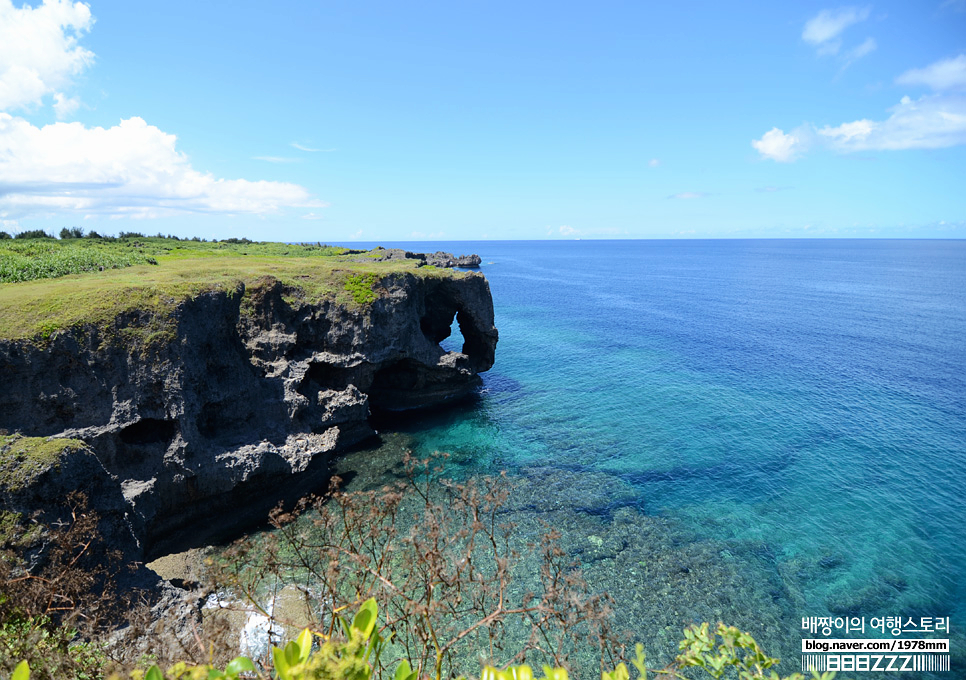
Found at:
(784, 421)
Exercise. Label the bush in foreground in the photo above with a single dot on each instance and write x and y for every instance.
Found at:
(353, 654)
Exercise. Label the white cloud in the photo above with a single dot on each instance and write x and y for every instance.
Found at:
(824, 29)
(778, 146)
(38, 50)
(931, 122)
(947, 74)
(65, 106)
(132, 169)
(567, 231)
(654, 162)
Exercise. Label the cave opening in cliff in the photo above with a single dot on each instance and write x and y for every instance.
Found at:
(455, 342)
(149, 431)
(327, 376)
(450, 328)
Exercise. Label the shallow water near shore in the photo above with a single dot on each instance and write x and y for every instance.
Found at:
(780, 426)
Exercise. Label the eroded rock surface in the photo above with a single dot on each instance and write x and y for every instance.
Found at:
(249, 393)
(437, 259)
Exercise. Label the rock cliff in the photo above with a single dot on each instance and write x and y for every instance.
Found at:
(242, 392)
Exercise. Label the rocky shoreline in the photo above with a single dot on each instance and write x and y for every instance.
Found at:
(243, 403)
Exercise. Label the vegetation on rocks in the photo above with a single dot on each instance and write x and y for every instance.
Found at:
(360, 286)
(23, 458)
(56, 606)
(47, 285)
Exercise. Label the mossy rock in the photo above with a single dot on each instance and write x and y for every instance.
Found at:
(24, 459)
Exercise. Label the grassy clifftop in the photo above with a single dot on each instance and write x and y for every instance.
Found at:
(55, 284)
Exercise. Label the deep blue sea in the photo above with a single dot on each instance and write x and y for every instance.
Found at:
(789, 414)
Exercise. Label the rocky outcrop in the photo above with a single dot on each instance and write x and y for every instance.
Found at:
(441, 259)
(37, 478)
(437, 259)
(246, 394)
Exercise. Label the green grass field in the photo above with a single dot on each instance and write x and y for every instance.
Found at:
(50, 284)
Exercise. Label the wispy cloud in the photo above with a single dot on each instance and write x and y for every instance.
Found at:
(945, 74)
(868, 46)
(825, 29)
(933, 121)
(303, 147)
(688, 195)
(653, 163)
(567, 231)
(930, 122)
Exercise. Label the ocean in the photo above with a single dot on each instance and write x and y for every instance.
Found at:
(753, 431)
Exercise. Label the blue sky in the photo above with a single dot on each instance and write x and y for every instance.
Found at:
(340, 121)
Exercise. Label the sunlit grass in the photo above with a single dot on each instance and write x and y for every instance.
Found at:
(185, 269)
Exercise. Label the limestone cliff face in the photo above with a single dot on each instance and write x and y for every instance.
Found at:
(247, 390)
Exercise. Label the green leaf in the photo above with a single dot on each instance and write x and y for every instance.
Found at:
(292, 653)
(403, 670)
(619, 673)
(21, 672)
(215, 674)
(238, 665)
(281, 665)
(346, 628)
(365, 620)
(304, 643)
(555, 673)
(154, 673)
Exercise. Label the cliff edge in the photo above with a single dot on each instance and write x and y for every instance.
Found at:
(197, 406)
